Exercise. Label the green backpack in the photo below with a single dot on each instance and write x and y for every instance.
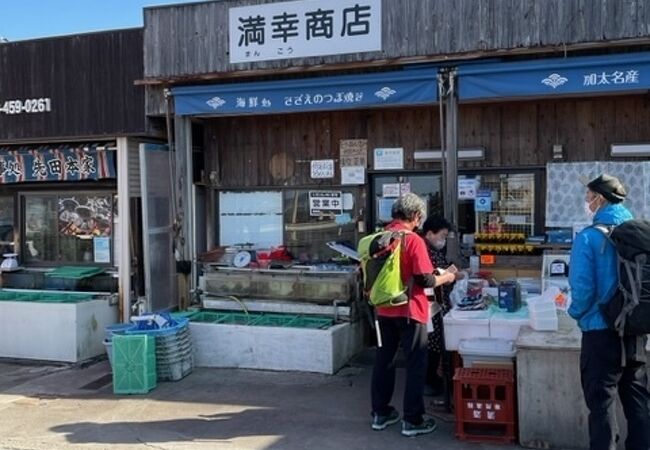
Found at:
(380, 262)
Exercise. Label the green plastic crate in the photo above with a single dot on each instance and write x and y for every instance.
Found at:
(206, 317)
(74, 272)
(134, 364)
(275, 320)
(320, 323)
(238, 319)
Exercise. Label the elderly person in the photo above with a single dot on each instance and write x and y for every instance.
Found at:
(435, 231)
(593, 278)
(406, 324)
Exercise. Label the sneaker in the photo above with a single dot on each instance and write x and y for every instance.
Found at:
(410, 430)
(382, 422)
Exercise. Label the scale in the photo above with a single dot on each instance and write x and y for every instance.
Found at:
(10, 263)
(242, 259)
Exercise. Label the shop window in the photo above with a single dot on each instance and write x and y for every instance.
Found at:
(500, 210)
(7, 241)
(250, 218)
(313, 217)
(387, 188)
(69, 228)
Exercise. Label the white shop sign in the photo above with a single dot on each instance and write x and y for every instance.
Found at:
(322, 168)
(301, 29)
(325, 202)
(389, 159)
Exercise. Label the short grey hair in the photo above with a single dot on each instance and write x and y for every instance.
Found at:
(408, 206)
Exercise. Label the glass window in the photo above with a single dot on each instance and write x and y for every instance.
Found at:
(387, 188)
(250, 218)
(7, 238)
(313, 217)
(72, 228)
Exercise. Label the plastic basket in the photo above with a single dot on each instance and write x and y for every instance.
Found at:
(238, 319)
(205, 317)
(134, 364)
(275, 320)
(320, 323)
(485, 405)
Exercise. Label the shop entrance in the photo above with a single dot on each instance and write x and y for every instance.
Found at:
(387, 187)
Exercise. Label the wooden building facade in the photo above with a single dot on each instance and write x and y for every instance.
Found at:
(71, 121)
(192, 47)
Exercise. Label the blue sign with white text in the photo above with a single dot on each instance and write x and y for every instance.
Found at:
(406, 87)
(557, 76)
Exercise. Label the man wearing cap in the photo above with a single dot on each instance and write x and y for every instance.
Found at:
(593, 278)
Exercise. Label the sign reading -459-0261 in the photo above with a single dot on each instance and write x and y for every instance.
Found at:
(28, 106)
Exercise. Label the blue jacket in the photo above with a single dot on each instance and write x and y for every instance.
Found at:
(592, 273)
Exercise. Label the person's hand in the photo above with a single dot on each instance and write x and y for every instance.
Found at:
(459, 275)
(449, 277)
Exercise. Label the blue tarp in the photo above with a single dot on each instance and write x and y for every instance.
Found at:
(616, 73)
(411, 86)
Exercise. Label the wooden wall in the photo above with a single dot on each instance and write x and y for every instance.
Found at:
(189, 40)
(89, 78)
(276, 150)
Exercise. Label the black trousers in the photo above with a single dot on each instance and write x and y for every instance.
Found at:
(603, 377)
(413, 337)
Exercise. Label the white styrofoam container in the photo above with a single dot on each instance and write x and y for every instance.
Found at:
(463, 315)
(539, 304)
(544, 323)
(486, 350)
(507, 328)
(457, 329)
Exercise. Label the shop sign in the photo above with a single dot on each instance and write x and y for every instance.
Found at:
(467, 189)
(354, 152)
(395, 189)
(55, 164)
(353, 175)
(102, 250)
(300, 29)
(26, 106)
(483, 201)
(325, 202)
(389, 159)
(322, 168)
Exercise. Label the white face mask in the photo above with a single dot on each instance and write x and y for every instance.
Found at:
(590, 214)
(439, 244)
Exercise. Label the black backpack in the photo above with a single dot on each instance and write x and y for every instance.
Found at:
(628, 311)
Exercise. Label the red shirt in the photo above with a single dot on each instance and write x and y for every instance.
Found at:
(414, 261)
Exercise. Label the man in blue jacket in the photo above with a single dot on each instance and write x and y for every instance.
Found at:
(594, 279)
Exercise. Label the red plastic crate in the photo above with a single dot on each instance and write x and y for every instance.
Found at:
(485, 405)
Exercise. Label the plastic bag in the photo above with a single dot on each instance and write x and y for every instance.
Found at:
(459, 291)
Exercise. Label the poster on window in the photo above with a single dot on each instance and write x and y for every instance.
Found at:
(85, 216)
(325, 203)
(299, 29)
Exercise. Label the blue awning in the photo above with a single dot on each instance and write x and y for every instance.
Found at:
(588, 75)
(411, 86)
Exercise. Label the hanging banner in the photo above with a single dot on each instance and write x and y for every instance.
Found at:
(50, 163)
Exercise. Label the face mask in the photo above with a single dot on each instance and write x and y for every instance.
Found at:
(440, 244)
(590, 214)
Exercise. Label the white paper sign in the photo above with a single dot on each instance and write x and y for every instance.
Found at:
(395, 189)
(353, 175)
(299, 29)
(323, 202)
(467, 189)
(322, 168)
(102, 249)
(389, 158)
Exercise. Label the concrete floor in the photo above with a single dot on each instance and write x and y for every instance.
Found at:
(50, 407)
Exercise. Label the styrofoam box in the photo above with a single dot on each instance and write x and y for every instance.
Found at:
(507, 325)
(544, 324)
(457, 329)
(486, 350)
(539, 304)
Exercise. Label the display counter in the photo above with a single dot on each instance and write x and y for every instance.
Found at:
(552, 410)
(54, 325)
